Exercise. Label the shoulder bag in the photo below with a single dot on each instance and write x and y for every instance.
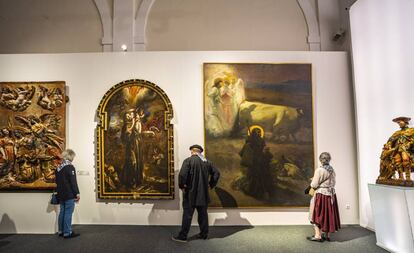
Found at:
(54, 200)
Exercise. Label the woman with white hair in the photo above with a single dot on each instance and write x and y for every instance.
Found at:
(323, 213)
(67, 192)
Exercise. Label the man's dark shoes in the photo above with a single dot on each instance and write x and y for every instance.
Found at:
(60, 234)
(202, 237)
(179, 239)
(314, 239)
(72, 235)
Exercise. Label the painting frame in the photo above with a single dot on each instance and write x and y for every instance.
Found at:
(103, 125)
(313, 133)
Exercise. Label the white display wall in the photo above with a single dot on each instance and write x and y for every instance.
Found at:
(179, 74)
(383, 51)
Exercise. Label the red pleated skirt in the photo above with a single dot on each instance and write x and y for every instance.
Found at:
(326, 214)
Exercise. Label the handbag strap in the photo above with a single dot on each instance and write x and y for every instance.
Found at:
(326, 179)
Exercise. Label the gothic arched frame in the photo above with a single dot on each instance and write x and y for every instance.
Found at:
(102, 127)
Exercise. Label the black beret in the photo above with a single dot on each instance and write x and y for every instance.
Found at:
(197, 147)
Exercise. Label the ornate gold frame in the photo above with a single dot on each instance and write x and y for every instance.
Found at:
(102, 126)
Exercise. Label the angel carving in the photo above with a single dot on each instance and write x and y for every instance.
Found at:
(44, 128)
(50, 99)
(17, 99)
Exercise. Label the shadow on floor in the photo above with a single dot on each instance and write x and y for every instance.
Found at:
(3, 242)
(350, 233)
(224, 232)
(232, 217)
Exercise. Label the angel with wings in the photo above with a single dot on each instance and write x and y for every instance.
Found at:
(44, 128)
(17, 99)
(50, 99)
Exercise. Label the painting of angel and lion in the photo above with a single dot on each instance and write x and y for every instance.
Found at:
(135, 143)
(32, 134)
(259, 132)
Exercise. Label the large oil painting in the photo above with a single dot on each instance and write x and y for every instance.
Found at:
(258, 122)
(32, 133)
(135, 143)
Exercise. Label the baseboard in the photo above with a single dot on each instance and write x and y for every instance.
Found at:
(369, 228)
(383, 247)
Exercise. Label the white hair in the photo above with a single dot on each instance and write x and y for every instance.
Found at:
(196, 150)
(68, 154)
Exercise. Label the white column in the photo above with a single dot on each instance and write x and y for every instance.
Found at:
(309, 12)
(124, 24)
(105, 11)
(329, 23)
(141, 24)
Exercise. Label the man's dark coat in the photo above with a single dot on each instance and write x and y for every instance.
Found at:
(195, 178)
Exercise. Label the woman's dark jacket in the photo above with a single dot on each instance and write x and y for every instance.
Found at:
(66, 184)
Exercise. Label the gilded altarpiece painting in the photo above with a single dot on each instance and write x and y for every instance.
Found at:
(258, 122)
(32, 133)
(135, 143)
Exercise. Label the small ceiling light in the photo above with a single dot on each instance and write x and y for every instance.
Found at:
(124, 47)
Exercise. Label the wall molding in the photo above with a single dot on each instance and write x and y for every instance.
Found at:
(313, 39)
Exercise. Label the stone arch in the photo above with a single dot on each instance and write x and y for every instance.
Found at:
(309, 13)
(139, 17)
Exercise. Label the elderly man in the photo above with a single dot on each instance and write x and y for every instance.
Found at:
(68, 193)
(197, 174)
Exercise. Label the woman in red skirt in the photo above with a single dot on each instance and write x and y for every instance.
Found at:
(323, 213)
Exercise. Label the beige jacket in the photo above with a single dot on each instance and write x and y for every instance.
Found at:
(328, 186)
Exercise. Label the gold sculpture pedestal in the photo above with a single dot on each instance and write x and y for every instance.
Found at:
(396, 182)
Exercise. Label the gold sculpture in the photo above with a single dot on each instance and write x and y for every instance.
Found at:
(397, 157)
(32, 134)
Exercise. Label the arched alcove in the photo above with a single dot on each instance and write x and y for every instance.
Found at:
(226, 25)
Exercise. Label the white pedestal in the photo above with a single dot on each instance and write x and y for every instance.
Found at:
(393, 211)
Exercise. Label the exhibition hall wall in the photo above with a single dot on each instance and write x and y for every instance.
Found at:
(74, 26)
(383, 51)
(89, 75)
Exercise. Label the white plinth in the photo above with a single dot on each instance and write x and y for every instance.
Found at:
(393, 211)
